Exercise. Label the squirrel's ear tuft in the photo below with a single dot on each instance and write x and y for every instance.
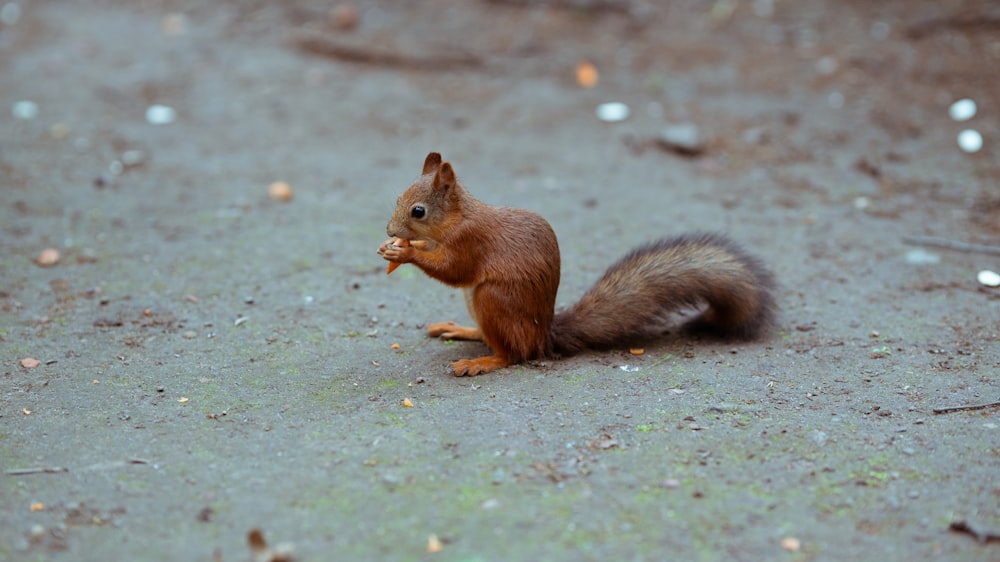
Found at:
(444, 180)
(432, 163)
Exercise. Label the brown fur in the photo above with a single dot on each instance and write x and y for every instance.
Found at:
(507, 262)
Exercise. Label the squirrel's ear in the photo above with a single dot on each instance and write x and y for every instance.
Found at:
(432, 163)
(444, 180)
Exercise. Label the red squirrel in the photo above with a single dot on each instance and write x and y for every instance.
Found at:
(506, 261)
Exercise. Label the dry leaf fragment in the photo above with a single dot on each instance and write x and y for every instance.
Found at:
(407, 403)
(283, 552)
(30, 362)
(256, 540)
(434, 544)
(280, 191)
(586, 74)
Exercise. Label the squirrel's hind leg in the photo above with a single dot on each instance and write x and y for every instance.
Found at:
(473, 367)
(452, 331)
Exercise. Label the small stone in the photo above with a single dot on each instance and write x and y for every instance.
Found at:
(48, 257)
(173, 24)
(36, 533)
(920, 256)
(30, 362)
(160, 114)
(25, 109)
(880, 30)
(962, 110)
(612, 112)
(988, 278)
(970, 141)
(683, 138)
(827, 65)
(10, 13)
(791, 544)
(59, 131)
(132, 158)
(819, 437)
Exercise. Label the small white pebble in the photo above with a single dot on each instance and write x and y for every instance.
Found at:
(970, 140)
(10, 13)
(26, 110)
(880, 31)
(962, 110)
(160, 114)
(827, 65)
(988, 278)
(612, 112)
(132, 158)
(920, 256)
(763, 8)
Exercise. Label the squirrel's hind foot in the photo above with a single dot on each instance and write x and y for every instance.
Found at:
(473, 367)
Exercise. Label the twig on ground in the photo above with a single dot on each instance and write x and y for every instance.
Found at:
(38, 470)
(60, 469)
(323, 47)
(963, 22)
(589, 6)
(948, 409)
(951, 244)
(981, 536)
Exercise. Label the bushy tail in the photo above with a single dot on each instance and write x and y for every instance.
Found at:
(638, 297)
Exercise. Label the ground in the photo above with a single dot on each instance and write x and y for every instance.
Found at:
(213, 360)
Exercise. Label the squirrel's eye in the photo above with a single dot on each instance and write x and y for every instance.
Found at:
(418, 212)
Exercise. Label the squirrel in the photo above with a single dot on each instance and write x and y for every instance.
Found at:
(506, 261)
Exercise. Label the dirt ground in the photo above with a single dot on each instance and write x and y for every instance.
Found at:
(213, 360)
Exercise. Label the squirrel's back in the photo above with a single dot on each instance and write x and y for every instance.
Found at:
(637, 297)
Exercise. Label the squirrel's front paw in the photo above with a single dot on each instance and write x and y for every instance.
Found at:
(396, 250)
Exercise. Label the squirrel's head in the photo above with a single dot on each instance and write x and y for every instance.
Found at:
(426, 208)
